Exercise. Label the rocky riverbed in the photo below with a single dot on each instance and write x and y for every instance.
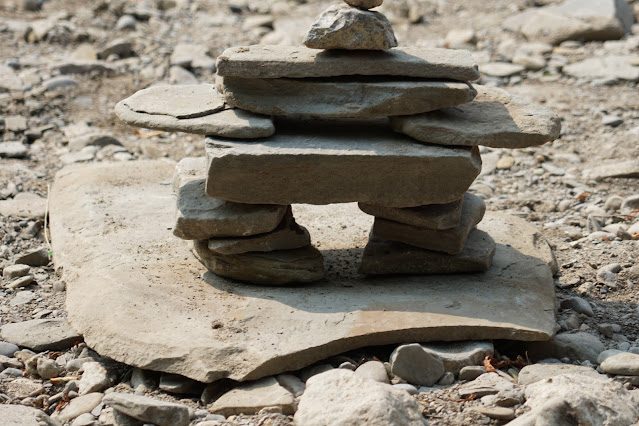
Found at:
(64, 64)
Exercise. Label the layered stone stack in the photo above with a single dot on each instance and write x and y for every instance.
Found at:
(334, 144)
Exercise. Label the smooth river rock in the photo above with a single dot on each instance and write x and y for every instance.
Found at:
(323, 162)
(434, 216)
(154, 306)
(260, 61)
(358, 97)
(495, 118)
(346, 27)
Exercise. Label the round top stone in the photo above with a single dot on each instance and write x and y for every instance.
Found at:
(364, 4)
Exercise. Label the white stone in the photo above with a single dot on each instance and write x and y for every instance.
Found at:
(252, 397)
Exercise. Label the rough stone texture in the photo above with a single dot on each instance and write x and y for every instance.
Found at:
(458, 355)
(187, 170)
(382, 257)
(418, 367)
(346, 27)
(355, 97)
(364, 4)
(536, 372)
(199, 216)
(19, 415)
(579, 346)
(343, 397)
(95, 377)
(261, 61)
(252, 397)
(182, 101)
(149, 410)
(287, 236)
(434, 216)
(41, 334)
(24, 204)
(495, 118)
(613, 66)
(451, 241)
(618, 362)
(513, 300)
(281, 267)
(230, 123)
(321, 162)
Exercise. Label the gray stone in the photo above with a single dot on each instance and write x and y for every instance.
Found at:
(287, 236)
(471, 372)
(614, 169)
(495, 118)
(343, 397)
(182, 77)
(346, 27)
(21, 388)
(578, 346)
(374, 370)
(364, 4)
(41, 334)
(382, 257)
(613, 66)
(15, 271)
(8, 349)
(345, 97)
(19, 415)
(418, 367)
(199, 216)
(37, 257)
(497, 413)
(313, 370)
(13, 150)
(513, 300)
(148, 410)
(22, 298)
(92, 139)
(60, 82)
(78, 406)
(176, 383)
(617, 362)
(261, 61)
(451, 241)
(48, 368)
(457, 355)
(21, 282)
(231, 123)
(630, 204)
(24, 204)
(185, 101)
(96, 377)
(188, 169)
(434, 216)
(578, 305)
(486, 384)
(320, 162)
(292, 383)
(250, 398)
(536, 372)
(192, 56)
(501, 69)
(84, 67)
(281, 267)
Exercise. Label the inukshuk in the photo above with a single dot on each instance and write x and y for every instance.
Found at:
(347, 118)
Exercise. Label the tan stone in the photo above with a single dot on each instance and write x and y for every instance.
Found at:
(179, 101)
(261, 61)
(346, 27)
(364, 4)
(495, 118)
(250, 398)
(434, 216)
(451, 241)
(361, 97)
(322, 162)
(24, 204)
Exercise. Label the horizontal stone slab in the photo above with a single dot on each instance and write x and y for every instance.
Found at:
(434, 216)
(382, 257)
(323, 162)
(139, 296)
(451, 241)
(495, 118)
(181, 101)
(359, 97)
(261, 61)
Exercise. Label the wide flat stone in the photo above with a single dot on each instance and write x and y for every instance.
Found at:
(359, 97)
(151, 308)
(260, 61)
(288, 235)
(382, 257)
(495, 118)
(435, 216)
(230, 123)
(322, 162)
(41, 334)
(346, 27)
(618, 67)
(250, 398)
(24, 204)
(451, 241)
(181, 101)
(365, 4)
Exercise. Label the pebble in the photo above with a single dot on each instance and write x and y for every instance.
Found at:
(611, 120)
(48, 368)
(373, 370)
(60, 82)
(407, 387)
(13, 150)
(37, 257)
(613, 361)
(15, 271)
(506, 162)
(578, 305)
(630, 204)
(497, 413)
(21, 282)
(613, 203)
(23, 297)
(413, 364)
(96, 377)
(149, 410)
(471, 372)
(126, 22)
(8, 349)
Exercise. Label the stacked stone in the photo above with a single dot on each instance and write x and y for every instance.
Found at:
(333, 144)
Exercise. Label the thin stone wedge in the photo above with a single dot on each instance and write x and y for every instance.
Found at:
(180, 101)
(434, 216)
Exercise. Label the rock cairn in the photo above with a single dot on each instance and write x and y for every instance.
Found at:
(331, 102)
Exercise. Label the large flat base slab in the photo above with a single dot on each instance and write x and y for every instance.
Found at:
(139, 296)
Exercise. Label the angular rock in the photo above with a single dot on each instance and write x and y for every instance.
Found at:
(96, 377)
(434, 216)
(344, 97)
(148, 410)
(364, 4)
(457, 355)
(612, 66)
(346, 27)
(579, 346)
(21, 388)
(13, 150)
(618, 362)
(37, 257)
(78, 406)
(41, 334)
(415, 365)
(230, 123)
(495, 118)
(15, 271)
(615, 169)
(536, 372)
(373, 370)
(302, 265)
(199, 216)
(187, 170)
(186, 101)
(287, 236)
(20, 415)
(292, 383)
(382, 257)
(252, 397)
(513, 300)
(261, 61)
(24, 204)
(343, 397)
(320, 162)
(451, 241)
